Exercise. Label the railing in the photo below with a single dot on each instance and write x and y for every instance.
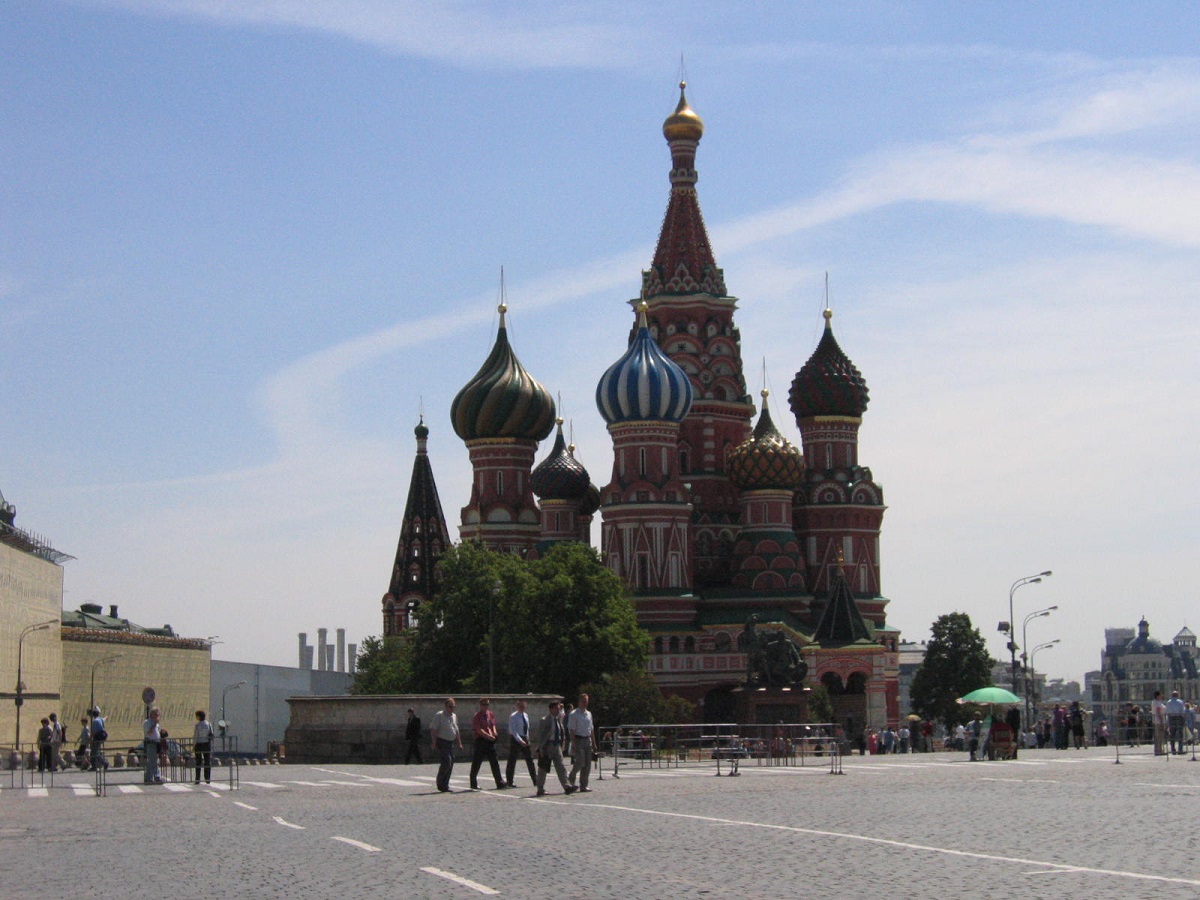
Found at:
(724, 747)
(176, 764)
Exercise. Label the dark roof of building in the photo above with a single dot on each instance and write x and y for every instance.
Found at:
(841, 622)
(91, 616)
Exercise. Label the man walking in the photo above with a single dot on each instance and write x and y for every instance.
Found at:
(445, 734)
(518, 744)
(583, 743)
(99, 736)
(483, 729)
(1175, 712)
(552, 732)
(412, 734)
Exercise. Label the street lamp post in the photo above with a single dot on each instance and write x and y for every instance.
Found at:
(100, 662)
(223, 724)
(1024, 659)
(1032, 672)
(20, 699)
(492, 638)
(1009, 625)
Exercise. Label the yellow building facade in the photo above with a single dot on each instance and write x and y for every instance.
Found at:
(118, 666)
(31, 589)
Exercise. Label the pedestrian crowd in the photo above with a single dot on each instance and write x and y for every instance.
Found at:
(549, 739)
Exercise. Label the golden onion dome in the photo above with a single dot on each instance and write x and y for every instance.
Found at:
(766, 460)
(683, 124)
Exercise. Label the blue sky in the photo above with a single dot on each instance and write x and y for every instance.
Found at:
(243, 245)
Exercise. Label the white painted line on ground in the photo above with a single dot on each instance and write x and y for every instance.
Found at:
(1063, 871)
(37, 792)
(280, 820)
(129, 788)
(1024, 780)
(402, 782)
(83, 790)
(216, 787)
(346, 783)
(359, 844)
(245, 805)
(177, 788)
(309, 783)
(212, 793)
(263, 784)
(458, 879)
(903, 845)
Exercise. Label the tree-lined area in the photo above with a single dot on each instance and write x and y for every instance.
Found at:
(502, 624)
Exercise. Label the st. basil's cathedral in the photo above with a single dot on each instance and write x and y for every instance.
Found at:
(707, 518)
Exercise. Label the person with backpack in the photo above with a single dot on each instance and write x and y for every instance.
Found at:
(99, 736)
(202, 746)
(85, 738)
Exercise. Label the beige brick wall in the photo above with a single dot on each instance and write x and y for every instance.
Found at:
(178, 675)
(30, 592)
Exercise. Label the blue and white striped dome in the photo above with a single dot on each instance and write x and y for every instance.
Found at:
(644, 384)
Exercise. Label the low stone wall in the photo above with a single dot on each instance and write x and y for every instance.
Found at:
(370, 729)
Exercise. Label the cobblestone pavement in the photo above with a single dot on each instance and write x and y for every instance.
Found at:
(1052, 824)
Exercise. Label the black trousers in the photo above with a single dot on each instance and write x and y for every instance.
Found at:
(516, 751)
(414, 749)
(204, 760)
(484, 750)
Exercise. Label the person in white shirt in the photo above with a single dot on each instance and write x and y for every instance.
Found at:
(151, 736)
(1158, 716)
(445, 734)
(518, 744)
(202, 736)
(1175, 711)
(582, 732)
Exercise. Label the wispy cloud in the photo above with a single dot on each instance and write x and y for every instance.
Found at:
(531, 35)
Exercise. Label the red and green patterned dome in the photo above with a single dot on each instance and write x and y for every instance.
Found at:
(766, 460)
(502, 400)
(828, 384)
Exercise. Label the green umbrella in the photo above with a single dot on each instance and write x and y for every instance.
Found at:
(991, 695)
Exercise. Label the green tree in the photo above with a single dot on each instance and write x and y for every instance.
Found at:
(632, 698)
(820, 705)
(382, 666)
(956, 663)
(555, 623)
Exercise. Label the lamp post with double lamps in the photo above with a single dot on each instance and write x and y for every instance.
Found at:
(1009, 626)
(1025, 659)
(97, 663)
(1032, 671)
(20, 698)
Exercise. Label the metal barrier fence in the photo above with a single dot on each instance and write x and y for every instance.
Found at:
(724, 747)
(177, 764)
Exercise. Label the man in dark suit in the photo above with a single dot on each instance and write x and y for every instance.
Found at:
(551, 738)
(412, 734)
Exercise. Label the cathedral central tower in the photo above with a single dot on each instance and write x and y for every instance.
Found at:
(690, 315)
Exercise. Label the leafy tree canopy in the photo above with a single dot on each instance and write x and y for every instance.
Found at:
(632, 698)
(555, 623)
(382, 666)
(956, 663)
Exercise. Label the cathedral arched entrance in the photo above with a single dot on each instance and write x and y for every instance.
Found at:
(849, 701)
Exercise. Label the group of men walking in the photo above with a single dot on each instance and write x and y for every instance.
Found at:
(548, 739)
